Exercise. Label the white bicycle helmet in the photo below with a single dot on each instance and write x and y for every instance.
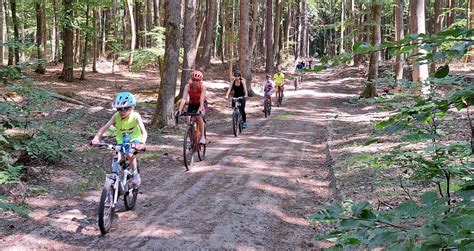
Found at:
(123, 100)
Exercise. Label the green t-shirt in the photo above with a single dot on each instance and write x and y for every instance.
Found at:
(130, 126)
(279, 79)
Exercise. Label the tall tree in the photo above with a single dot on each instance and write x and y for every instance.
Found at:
(68, 57)
(438, 25)
(205, 58)
(133, 27)
(164, 111)
(149, 20)
(471, 26)
(452, 12)
(7, 22)
(253, 27)
(244, 50)
(269, 59)
(40, 35)
(376, 39)
(343, 20)
(229, 36)
(15, 31)
(276, 28)
(399, 34)
(86, 45)
(156, 13)
(189, 43)
(2, 32)
(94, 39)
(55, 35)
(417, 26)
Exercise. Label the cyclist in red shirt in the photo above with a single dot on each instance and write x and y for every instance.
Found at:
(196, 91)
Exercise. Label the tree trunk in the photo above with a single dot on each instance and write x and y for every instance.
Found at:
(40, 35)
(253, 27)
(222, 24)
(54, 35)
(417, 24)
(229, 26)
(107, 31)
(164, 111)
(244, 50)
(86, 45)
(343, 19)
(269, 59)
(276, 28)
(68, 67)
(77, 46)
(149, 20)
(452, 12)
(399, 34)
(8, 36)
(471, 26)
(189, 43)
(138, 24)
(205, 59)
(376, 38)
(2, 32)
(15, 31)
(156, 13)
(134, 37)
(94, 41)
(438, 25)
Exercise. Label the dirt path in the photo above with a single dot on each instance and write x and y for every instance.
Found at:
(255, 191)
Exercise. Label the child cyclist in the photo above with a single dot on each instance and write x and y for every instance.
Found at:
(268, 87)
(126, 121)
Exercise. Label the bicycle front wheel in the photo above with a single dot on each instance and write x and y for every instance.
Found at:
(202, 148)
(265, 108)
(235, 123)
(130, 198)
(106, 207)
(188, 148)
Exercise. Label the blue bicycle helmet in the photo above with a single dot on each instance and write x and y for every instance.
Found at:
(124, 99)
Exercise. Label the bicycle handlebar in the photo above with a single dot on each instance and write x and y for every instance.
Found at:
(117, 147)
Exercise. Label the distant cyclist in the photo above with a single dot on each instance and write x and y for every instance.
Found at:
(196, 91)
(240, 90)
(279, 80)
(268, 87)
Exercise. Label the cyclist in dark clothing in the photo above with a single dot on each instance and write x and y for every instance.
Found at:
(240, 90)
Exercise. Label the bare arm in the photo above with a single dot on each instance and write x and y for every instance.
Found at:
(242, 82)
(102, 130)
(182, 102)
(142, 128)
(203, 96)
(228, 90)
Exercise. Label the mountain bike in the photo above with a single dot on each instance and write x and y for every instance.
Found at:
(237, 122)
(279, 95)
(267, 105)
(191, 139)
(117, 183)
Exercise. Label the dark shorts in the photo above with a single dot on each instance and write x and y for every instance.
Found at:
(193, 108)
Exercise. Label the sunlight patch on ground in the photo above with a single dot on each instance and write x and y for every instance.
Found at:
(271, 209)
(284, 192)
(160, 231)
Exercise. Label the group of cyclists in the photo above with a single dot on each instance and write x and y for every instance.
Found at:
(129, 122)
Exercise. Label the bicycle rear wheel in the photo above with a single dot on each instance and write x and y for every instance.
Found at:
(188, 148)
(235, 123)
(202, 148)
(106, 208)
(265, 107)
(280, 97)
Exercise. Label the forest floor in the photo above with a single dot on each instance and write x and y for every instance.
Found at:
(255, 191)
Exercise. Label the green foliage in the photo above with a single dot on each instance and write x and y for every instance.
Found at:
(7, 206)
(46, 145)
(146, 57)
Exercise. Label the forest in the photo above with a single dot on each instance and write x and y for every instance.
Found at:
(371, 146)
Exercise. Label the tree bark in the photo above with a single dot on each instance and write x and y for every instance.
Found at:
(269, 59)
(149, 21)
(276, 28)
(86, 46)
(304, 31)
(134, 37)
(55, 35)
(94, 41)
(229, 26)
(471, 26)
(205, 59)
(376, 39)
(15, 31)
(451, 13)
(2, 32)
(417, 24)
(68, 67)
(399, 34)
(164, 111)
(77, 46)
(156, 13)
(438, 25)
(8, 36)
(341, 33)
(189, 43)
(244, 50)
(40, 35)
(253, 27)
